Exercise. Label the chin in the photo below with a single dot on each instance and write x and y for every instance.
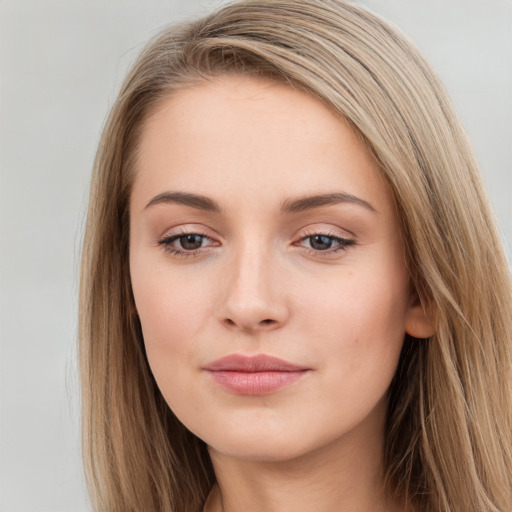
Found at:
(270, 450)
(268, 443)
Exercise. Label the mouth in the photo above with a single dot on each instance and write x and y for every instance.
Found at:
(254, 375)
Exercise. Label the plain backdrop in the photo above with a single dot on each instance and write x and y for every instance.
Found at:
(61, 63)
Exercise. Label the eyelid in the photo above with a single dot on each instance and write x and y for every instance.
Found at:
(343, 242)
(326, 229)
(171, 235)
(329, 227)
(188, 229)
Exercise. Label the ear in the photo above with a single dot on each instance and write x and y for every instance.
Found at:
(419, 320)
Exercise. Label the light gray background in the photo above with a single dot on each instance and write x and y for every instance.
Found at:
(61, 63)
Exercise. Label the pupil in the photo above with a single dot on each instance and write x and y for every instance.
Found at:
(191, 242)
(321, 242)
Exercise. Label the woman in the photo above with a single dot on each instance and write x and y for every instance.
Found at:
(293, 292)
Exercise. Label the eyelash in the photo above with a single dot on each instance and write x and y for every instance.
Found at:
(343, 244)
(168, 240)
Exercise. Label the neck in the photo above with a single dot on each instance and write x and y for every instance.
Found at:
(345, 475)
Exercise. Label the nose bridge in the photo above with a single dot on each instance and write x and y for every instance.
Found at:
(253, 274)
(252, 296)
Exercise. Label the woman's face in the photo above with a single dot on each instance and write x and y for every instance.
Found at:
(268, 270)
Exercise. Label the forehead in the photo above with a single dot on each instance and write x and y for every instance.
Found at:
(240, 136)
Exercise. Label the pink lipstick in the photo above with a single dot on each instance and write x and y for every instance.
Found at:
(254, 375)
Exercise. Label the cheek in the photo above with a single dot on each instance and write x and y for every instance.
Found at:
(174, 313)
(359, 321)
(358, 302)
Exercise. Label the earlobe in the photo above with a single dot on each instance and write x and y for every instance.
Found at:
(420, 321)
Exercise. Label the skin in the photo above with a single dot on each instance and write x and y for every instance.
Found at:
(258, 283)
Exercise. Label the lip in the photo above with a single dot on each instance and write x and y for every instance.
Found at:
(254, 375)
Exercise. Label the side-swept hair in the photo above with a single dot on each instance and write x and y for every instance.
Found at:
(448, 443)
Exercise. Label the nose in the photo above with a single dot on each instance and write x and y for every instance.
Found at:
(254, 295)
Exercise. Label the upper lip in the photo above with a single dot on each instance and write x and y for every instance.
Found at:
(252, 364)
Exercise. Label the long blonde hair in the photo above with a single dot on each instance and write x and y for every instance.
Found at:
(449, 427)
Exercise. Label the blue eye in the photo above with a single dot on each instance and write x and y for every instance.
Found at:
(321, 242)
(325, 243)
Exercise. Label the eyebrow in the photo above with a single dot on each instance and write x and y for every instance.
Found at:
(187, 199)
(310, 202)
(298, 205)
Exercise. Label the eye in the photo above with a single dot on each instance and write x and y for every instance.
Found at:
(323, 242)
(185, 244)
(190, 242)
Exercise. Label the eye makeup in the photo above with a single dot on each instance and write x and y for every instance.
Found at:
(187, 243)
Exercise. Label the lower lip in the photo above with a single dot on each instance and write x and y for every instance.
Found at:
(255, 383)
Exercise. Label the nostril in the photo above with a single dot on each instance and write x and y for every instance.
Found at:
(266, 322)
